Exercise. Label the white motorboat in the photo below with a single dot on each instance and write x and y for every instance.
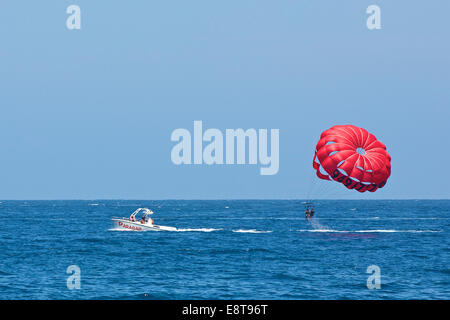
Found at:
(145, 223)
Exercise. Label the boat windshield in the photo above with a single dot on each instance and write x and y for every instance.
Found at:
(145, 213)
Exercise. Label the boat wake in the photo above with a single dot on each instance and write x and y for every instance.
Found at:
(173, 229)
(196, 230)
(368, 231)
(317, 227)
(252, 231)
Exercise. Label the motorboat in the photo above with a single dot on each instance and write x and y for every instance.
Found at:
(145, 223)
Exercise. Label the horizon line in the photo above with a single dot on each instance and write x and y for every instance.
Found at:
(222, 199)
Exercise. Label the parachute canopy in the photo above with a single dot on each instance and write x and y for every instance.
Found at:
(352, 156)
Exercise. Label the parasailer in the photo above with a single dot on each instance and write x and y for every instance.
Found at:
(309, 210)
(353, 157)
(307, 214)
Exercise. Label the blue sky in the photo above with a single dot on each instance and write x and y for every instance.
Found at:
(88, 114)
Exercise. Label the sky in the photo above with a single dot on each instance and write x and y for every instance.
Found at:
(88, 114)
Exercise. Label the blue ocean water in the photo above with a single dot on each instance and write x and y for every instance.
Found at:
(246, 249)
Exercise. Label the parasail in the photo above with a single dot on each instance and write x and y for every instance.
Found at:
(353, 157)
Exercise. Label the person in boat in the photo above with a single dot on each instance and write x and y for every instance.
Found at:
(132, 218)
(146, 220)
(311, 212)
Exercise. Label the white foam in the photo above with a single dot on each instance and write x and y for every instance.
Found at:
(388, 218)
(320, 230)
(195, 230)
(252, 231)
(120, 229)
(370, 231)
(173, 229)
(408, 231)
(377, 230)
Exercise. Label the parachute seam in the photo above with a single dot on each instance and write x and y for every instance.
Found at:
(350, 128)
(371, 167)
(362, 137)
(367, 138)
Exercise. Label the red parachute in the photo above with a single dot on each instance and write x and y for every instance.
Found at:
(353, 157)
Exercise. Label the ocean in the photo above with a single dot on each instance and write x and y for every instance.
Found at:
(226, 249)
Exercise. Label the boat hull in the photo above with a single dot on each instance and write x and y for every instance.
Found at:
(124, 224)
